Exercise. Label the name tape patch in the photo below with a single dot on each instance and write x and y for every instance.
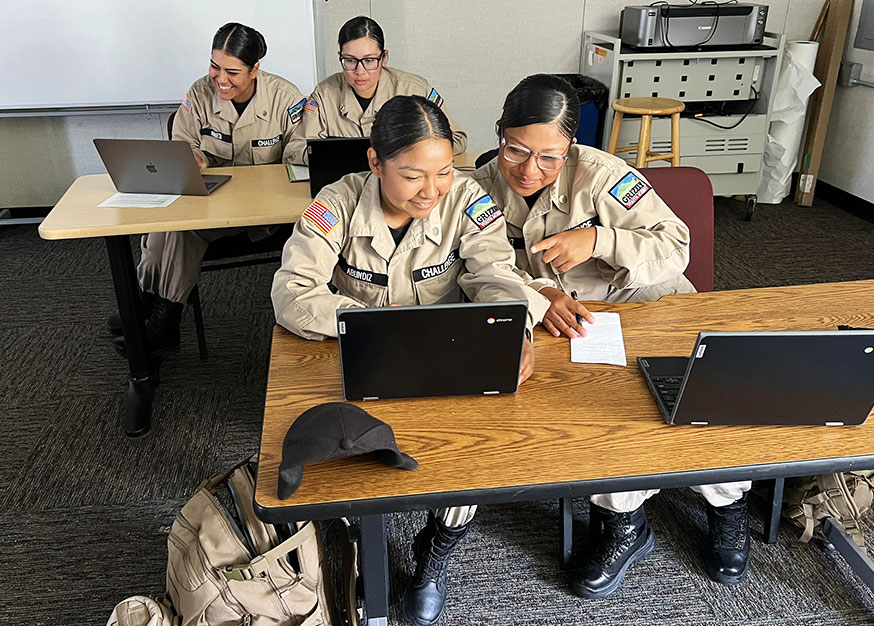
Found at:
(186, 103)
(629, 190)
(592, 221)
(436, 270)
(311, 106)
(323, 217)
(294, 112)
(483, 212)
(208, 132)
(435, 97)
(365, 276)
(266, 143)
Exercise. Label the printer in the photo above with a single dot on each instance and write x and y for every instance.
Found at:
(693, 25)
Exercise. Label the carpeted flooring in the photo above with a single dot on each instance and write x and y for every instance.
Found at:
(84, 510)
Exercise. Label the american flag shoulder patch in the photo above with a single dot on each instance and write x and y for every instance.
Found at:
(323, 217)
(186, 103)
(311, 106)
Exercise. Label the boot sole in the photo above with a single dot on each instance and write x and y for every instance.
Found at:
(638, 556)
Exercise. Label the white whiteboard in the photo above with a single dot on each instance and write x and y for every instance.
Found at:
(69, 53)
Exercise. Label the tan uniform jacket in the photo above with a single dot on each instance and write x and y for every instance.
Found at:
(260, 135)
(333, 111)
(640, 242)
(342, 255)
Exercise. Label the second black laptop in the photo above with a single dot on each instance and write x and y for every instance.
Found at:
(332, 158)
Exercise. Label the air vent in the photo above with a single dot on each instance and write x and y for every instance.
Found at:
(714, 145)
(738, 144)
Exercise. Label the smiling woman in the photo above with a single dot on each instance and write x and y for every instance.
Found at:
(235, 115)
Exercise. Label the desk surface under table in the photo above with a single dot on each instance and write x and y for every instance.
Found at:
(572, 428)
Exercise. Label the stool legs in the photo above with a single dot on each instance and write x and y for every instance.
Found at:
(675, 140)
(643, 141)
(614, 132)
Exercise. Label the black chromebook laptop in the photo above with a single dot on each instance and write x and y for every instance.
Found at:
(332, 158)
(436, 350)
(155, 166)
(782, 377)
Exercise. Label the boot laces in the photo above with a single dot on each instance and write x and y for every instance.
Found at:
(729, 528)
(615, 540)
(435, 561)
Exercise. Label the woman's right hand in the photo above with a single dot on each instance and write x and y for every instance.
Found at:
(561, 318)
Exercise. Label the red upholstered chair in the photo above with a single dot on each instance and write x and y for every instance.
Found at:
(688, 192)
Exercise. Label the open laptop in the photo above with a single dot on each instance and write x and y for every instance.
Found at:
(332, 158)
(434, 350)
(782, 377)
(155, 166)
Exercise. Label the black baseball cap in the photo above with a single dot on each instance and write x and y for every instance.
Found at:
(331, 431)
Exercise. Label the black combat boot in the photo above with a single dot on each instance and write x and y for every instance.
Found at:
(426, 592)
(147, 301)
(624, 538)
(162, 329)
(727, 559)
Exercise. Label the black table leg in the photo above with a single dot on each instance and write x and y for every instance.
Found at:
(775, 500)
(566, 513)
(143, 376)
(857, 558)
(374, 569)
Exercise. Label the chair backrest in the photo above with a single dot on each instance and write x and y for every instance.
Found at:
(687, 190)
(170, 125)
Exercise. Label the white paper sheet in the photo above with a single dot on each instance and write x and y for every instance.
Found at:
(603, 342)
(139, 200)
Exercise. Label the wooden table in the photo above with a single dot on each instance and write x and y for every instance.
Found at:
(255, 196)
(571, 430)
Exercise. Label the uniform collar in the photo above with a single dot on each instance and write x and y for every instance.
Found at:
(368, 220)
(350, 108)
(257, 109)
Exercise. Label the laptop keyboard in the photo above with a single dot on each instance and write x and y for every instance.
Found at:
(668, 387)
(210, 184)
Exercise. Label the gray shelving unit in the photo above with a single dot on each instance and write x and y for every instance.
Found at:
(741, 81)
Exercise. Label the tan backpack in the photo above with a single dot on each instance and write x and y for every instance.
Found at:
(807, 501)
(143, 611)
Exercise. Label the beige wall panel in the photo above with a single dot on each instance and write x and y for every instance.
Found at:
(334, 15)
(475, 51)
(849, 151)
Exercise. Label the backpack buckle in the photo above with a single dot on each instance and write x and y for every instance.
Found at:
(237, 572)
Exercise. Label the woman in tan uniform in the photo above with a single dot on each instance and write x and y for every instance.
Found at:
(368, 240)
(235, 115)
(346, 103)
(586, 225)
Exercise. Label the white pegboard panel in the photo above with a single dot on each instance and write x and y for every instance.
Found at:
(716, 79)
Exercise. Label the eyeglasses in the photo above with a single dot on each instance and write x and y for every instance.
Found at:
(350, 64)
(519, 154)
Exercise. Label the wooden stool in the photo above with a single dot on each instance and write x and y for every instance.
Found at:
(646, 108)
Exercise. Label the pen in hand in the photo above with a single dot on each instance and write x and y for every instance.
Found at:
(579, 317)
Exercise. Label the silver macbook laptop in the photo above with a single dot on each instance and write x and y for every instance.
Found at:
(155, 166)
(436, 350)
(791, 378)
(332, 158)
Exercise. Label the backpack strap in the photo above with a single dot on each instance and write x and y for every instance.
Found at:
(261, 564)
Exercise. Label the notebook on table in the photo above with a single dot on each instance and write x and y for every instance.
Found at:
(767, 377)
(332, 158)
(434, 350)
(155, 166)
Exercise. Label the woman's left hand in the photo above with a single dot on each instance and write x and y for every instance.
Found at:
(527, 367)
(567, 249)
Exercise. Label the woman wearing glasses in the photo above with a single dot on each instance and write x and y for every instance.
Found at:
(586, 225)
(346, 103)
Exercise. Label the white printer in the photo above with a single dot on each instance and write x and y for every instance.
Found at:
(693, 25)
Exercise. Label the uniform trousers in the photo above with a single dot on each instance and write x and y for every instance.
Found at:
(170, 262)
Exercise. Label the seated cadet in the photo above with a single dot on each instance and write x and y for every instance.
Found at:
(360, 244)
(346, 103)
(586, 225)
(236, 115)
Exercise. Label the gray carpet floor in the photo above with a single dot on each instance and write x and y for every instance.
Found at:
(84, 510)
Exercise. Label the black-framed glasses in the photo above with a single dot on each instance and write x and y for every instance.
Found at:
(520, 154)
(350, 64)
